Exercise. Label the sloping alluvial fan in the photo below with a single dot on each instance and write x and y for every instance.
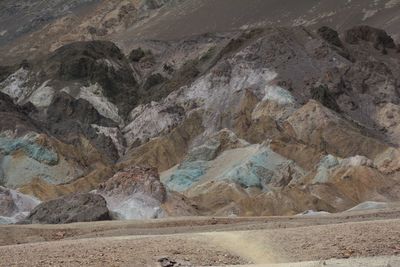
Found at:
(121, 112)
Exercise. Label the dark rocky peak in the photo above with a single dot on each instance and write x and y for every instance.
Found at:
(137, 54)
(64, 107)
(7, 105)
(6, 71)
(324, 96)
(379, 38)
(86, 60)
(90, 49)
(14, 117)
(330, 35)
(92, 62)
(69, 118)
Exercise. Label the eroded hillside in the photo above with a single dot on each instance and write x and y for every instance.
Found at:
(260, 121)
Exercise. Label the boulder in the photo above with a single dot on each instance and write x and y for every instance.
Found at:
(133, 180)
(74, 208)
(135, 193)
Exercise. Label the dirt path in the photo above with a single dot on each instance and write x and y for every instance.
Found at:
(241, 244)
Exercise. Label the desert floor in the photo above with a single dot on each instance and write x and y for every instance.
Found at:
(362, 238)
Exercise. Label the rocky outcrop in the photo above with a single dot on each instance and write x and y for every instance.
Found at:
(197, 162)
(15, 206)
(70, 209)
(322, 95)
(27, 151)
(225, 198)
(134, 180)
(56, 128)
(319, 126)
(46, 191)
(69, 118)
(345, 183)
(137, 193)
(166, 151)
(64, 108)
(14, 117)
(95, 62)
(134, 193)
(379, 38)
(331, 36)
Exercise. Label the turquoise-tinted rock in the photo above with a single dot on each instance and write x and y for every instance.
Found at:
(30, 148)
(328, 162)
(252, 173)
(187, 174)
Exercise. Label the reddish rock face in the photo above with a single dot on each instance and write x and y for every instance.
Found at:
(133, 180)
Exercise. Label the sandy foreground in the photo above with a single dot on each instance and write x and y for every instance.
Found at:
(366, 238)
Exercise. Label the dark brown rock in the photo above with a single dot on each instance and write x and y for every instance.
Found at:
(322, 95)
(74, 208)
(65, 107)
(93, 62)
(136, 55)
(330, 35)
(378, 37)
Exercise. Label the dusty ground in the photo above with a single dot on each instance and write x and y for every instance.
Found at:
(204, 241)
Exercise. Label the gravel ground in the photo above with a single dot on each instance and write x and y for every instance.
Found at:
(118, 252)
(203, 241)
(339, 241)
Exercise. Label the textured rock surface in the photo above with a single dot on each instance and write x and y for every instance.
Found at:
(45, 191)
(137, 193)
(250, 121)
(15, 206)
(70, 209)
(378, 37)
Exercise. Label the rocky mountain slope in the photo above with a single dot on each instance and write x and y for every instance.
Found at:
(234, 120)
(32, 28)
